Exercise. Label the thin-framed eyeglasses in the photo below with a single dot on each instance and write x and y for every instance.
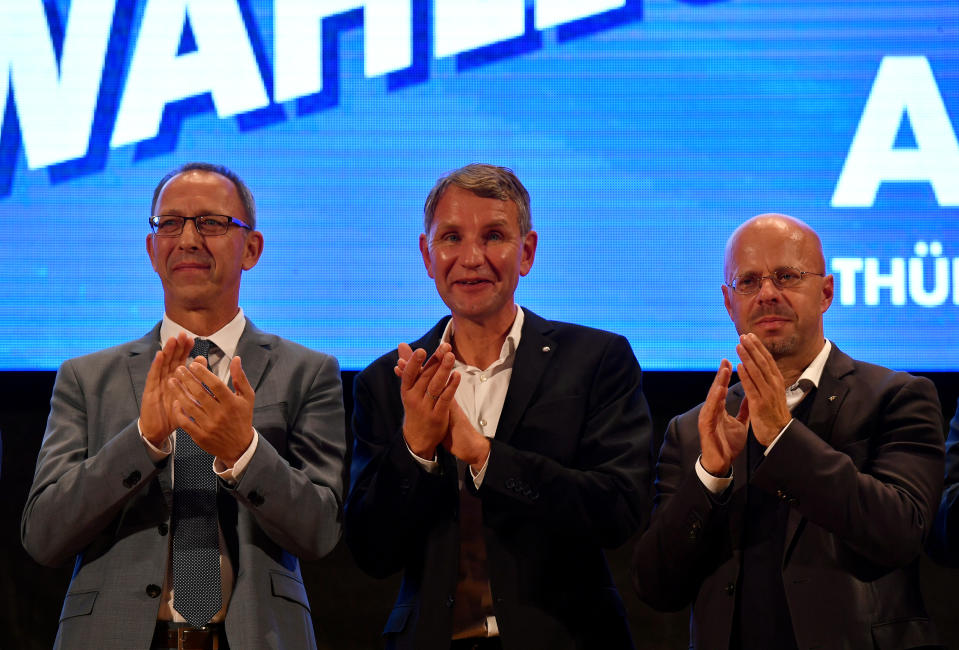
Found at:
(786, 277)
(208, 225)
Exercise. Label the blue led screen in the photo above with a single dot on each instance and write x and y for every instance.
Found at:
(646, 131)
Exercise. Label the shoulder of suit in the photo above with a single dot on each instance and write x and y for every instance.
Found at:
(559, 329)
(142, 345)
(286, 347)
(880, 379)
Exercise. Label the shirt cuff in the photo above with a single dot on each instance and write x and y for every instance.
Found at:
(776, 439)
(232, 474)
(715, 484)
(431, 466)
(478, 476)
(156, 454)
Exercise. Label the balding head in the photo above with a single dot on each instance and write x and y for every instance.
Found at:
(787, 318)
(780, 228)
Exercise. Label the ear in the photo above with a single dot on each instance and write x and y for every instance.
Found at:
(252, 249)
(425, 252)
(828, 287)
(528, 252)
(151, 250)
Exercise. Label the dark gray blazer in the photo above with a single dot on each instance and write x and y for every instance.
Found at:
(567, 476)
(97, 495)
(862, 481)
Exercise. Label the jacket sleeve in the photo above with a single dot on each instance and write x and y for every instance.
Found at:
(76, 491)
(295, 495)
(878, 492)
(688, 535)
(393, 501)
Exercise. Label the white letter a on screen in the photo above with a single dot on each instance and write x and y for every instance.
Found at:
(222, 64)
(904, 88)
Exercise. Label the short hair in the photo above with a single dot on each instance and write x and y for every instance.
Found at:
(486, 181)
(246, 197)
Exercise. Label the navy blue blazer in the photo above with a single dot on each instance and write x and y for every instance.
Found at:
(567, 476)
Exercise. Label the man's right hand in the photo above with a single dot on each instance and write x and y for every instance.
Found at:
(722, 437)
(427, 390)
(156, 408)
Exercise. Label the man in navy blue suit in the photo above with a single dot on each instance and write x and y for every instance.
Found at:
(496, 456)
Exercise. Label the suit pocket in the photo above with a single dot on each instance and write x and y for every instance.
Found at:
(288, 587)
(397, 620)
(78, 604)
(906, 633)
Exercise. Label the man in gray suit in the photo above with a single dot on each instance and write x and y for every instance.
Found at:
(263, 415)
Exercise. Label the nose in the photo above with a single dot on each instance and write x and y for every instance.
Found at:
(472, 253)
(767, 290)
(190, 237)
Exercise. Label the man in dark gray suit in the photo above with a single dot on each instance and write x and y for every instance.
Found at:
(791, 508)
(154, 469)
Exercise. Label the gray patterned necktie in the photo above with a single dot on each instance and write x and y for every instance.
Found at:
(196, 548)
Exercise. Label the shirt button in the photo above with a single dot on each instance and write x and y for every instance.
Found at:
(483, 377)
(482, 422)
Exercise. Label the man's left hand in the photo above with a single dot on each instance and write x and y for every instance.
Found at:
(465, 442)
(764, 387)
(218, 419)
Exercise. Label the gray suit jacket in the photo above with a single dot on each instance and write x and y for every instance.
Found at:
(861, 478)
(97, 495)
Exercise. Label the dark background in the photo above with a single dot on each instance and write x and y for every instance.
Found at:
(349, 608)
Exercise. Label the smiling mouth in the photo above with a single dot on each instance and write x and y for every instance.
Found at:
(191, 267)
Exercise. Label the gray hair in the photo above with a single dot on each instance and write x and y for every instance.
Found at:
(246, 197)
(486, 181)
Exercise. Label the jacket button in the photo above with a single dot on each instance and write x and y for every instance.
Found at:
(132, 479)
(449, 601)
(255, 498)
(163, 528)
(153, 591)
(730, 589)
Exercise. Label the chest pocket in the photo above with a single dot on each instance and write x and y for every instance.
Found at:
(552, 428)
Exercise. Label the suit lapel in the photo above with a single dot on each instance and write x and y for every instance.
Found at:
(533, 355)
(737, 500)
(139, 359)
(827, 400)
(254, 349)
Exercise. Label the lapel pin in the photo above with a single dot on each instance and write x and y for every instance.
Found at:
(832, 398)
(545, 348)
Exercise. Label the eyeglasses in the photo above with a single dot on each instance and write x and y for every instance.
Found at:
(784, 278)
(208, 225)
